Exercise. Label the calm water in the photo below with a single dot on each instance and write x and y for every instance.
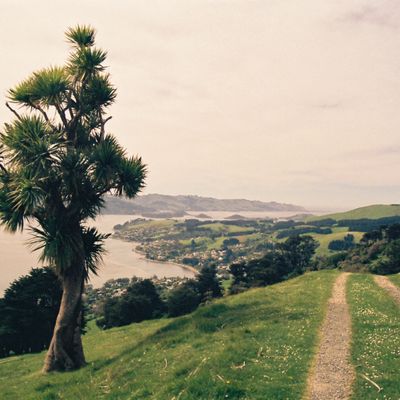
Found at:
(120, 260)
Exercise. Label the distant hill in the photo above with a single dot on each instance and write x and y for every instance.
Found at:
(236, 216)
(178, 205)
(375, 211)
(202, 216)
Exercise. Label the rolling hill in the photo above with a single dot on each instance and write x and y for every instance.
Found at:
(256, 345)
(247, 346)
(156, 203)
(375, 211)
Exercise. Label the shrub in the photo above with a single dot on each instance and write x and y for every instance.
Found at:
(208, 284)
(140, 302)
(341, 245)
(184, 299)
(288, 259)
(28, 312)
(301, 230)
(329, 262)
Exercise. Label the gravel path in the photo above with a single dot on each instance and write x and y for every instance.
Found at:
(333, 374)
(386, 284)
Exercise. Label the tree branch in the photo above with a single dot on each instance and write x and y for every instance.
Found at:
(102, 125)
(69, 98)
(62, 116)
(13, 111)
(45, 116)
(40, 109)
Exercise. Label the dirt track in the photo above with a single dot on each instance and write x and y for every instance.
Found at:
(333, 374)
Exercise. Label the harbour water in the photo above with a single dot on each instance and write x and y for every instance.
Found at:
(120, 261)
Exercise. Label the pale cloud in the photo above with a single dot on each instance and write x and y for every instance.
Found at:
(384, 13)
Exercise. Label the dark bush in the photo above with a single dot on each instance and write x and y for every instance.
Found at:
(287, 259)
(184, 299)
(140, 302)
(193, 261)
(342, 245)
(285, 225)
(208, 284)
(389, 262)
(323, 222)
(28, 312)
(330, 262)
(368, 225)
(230, 242)
(301, 230)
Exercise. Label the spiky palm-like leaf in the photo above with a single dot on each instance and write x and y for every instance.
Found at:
(78, 191)
(131, 177)
(50, 85)
(98, 93)
(107, 157)
(60, 245)
(26, 194)
(24, 92)
(30, 142)
(81, 36)
(11, 217)
(86, 61)
(46, 87)
(93, 243)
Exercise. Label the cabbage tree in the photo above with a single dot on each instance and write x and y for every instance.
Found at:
(57, 162)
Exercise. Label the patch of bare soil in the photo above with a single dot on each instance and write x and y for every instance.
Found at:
(333, 373)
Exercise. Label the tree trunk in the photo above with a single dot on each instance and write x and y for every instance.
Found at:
(65, 351)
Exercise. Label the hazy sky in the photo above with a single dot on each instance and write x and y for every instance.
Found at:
(294, 101)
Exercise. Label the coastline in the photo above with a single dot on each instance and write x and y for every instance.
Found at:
(143, 257)
(183, 266)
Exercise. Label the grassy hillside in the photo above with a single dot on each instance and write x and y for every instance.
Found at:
(257, 345)
(372, 212)
(376, 339)
(338, 234)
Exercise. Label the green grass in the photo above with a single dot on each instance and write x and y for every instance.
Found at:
(226, 284)
(256, 345)
(376, 339)
(337, 234)
(210, 243)
(217, 243)
(252, 237)
(156, 223)
(221, 227)
(372, 212)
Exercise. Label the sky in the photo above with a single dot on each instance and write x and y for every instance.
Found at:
(274, 100)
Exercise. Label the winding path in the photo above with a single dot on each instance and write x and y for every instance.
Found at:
(390, 287)
(332, 374)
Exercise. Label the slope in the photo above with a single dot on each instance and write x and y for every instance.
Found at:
(371, 212)
(257, 345)
(376, 339)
